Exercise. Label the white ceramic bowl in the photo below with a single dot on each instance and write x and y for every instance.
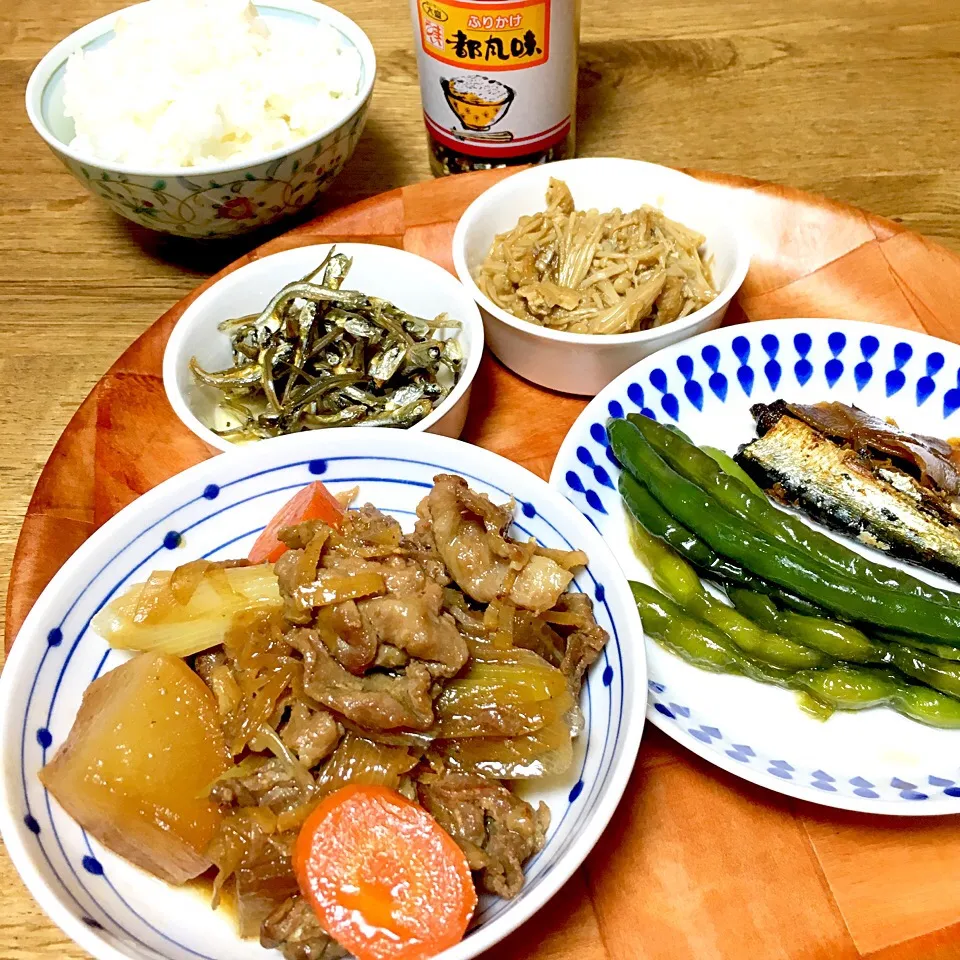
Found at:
(413, 283)
(218, 200)
(576, 362)
(216, 509)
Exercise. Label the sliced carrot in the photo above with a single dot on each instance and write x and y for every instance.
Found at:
(313, 502)
(385, 879)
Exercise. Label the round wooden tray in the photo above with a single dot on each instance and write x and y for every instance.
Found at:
(695, 863)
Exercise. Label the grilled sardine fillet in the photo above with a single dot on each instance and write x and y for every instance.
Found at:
(879, 505)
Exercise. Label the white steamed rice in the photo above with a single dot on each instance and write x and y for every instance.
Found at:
(188, 83)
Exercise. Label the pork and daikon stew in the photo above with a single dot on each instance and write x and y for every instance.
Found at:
(334, 726)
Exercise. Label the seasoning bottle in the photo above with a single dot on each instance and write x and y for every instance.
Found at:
(498, 80)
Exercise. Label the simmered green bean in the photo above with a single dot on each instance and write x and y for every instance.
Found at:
(791, 568)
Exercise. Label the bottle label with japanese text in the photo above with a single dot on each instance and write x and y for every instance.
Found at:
(497, 77)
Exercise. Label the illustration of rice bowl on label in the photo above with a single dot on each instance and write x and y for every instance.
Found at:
(478, 102)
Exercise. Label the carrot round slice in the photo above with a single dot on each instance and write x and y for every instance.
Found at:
(385, 879)
(313, 502)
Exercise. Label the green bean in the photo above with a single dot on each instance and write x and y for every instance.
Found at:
(948, 651)
(843, 642)
(837, 686)
(697, 467)
(849, 687)
(679, 581)
(732, 469)
(697, 643)
(935, 672)
(838, 640)
(793, 570)
(645, 510)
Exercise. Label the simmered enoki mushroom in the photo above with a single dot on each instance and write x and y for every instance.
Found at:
(598, 273)
(443, 664)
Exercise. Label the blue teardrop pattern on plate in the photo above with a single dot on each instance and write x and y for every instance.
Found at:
(902, 352)
(591, 496)
(773, 372)
(669, 403)
(711, 357)
(925, 388)
(615, 409)
(908, 791)
(635, 395)
(823, 781)
(951, 401)
(718, 384)
(770, 344)
(864, 788)
(781, 769)
(895, 381)
(836, 342)
(862, 374)
(741, 752)
(745, 377)
(694, 393)
(599, 435)
(833, 371)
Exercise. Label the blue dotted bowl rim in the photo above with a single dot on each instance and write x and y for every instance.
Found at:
(865, 800)
(302, 448)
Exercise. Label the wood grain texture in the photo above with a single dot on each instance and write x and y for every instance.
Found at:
(852, 98)
(696, 863)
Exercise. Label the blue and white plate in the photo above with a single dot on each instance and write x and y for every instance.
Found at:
(875, 760)
(215, 510)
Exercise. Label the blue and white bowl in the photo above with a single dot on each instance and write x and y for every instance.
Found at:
(875, 761)
(216, 509)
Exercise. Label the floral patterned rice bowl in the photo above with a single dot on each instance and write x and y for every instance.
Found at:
(213, 201)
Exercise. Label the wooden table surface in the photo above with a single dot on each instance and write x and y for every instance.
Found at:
(852, 98)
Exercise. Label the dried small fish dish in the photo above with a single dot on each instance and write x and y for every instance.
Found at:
(321, 356)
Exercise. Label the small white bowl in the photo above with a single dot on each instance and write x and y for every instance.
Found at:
(582, 363)
(216, 200)
(413, 283)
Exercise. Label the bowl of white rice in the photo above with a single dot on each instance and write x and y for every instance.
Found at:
(206, 118)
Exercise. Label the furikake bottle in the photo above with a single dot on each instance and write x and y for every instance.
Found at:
(498, 79)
